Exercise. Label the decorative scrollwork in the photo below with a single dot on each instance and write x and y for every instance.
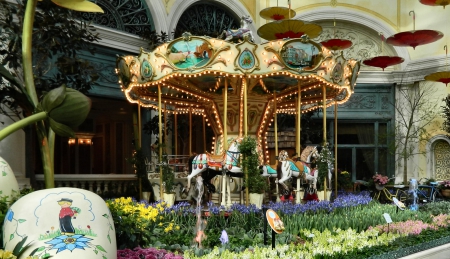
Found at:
(132, 16)
(206, 19)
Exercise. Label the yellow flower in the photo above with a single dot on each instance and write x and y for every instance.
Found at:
(7, 254)
(177, 227)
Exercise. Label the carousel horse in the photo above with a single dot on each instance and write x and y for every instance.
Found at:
(213, 165)
(240, 33)
(290, 168)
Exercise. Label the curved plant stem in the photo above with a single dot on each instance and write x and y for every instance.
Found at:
(22, 123)
(27, 63)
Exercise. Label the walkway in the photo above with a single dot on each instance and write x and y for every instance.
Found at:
(440, 252)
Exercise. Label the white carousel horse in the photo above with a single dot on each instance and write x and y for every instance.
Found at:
(214, 165)
(240, 33)
(290, 168)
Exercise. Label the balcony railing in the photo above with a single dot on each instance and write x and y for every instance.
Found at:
(124, 185)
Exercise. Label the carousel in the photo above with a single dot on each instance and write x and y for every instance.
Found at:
(238, 87)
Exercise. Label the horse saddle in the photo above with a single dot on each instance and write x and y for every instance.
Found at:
(215, 160)
(299, 166)
(271, 169)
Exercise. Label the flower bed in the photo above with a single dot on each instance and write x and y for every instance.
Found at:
(316, 228)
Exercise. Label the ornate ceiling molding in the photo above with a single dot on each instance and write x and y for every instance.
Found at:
(357, 18)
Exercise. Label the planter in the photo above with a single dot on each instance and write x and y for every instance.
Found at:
(379, 187)
(68, 223)
(445, 193)
(8, 182)
(169, 198)
(146, 196)
(257, 199)
(320, 195)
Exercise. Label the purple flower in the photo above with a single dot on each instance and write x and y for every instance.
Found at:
(224, 237)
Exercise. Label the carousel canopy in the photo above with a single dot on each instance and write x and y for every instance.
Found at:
(192, 74)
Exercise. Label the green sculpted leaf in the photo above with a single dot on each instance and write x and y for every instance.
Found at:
(109, 238)
(53, 98)
(22, 220)
(73, 110)
(61, 129)
(11, 237)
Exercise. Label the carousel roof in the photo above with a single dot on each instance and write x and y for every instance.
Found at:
(193, 72)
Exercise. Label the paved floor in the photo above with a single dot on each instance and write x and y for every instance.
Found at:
(440, 252)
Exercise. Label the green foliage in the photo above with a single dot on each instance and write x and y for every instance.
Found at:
(168, 176)
(140, 169)
(250, 162)
(59, 35)
(325, 161)
(436, 208)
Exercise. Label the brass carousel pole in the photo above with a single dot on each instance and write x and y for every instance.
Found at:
(139, 143)
(275, 126)
(204, 134)
(225, 143)
(160, 144)
(324, 94)
(176, 131)
(298, 138)
(247, 202)
(190, 130)
(165, 122)
(335, 150)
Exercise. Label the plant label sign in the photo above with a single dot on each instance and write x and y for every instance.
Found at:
(387, 217)
(274, 221)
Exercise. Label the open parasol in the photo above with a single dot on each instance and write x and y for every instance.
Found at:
(277, 13)
(415, 37)
(442, 3)
(442, 77)
(336, 44)
(383, 61)
(288, 29)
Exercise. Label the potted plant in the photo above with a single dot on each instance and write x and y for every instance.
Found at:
(168, 179)
(324, 163)
(255, 183)
(380, 181)
(140, 169)
(444, 188)
(344, 180)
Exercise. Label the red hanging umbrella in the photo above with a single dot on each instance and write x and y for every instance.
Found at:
(383, 61)
(414, 38)
(442, 77)
(336, 44)
(442, 3)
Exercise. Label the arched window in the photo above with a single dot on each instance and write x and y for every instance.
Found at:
(206, 19)
(126, 15)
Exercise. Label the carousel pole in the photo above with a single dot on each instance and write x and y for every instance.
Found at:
(324, 94)
(190, 130)
(204, 134)
(225, 143)
(176, 131)
(139, 143)
(165, 122)
(160, 144)
(275, 125)
(247, 195)
(298, 138)
(335, 150)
